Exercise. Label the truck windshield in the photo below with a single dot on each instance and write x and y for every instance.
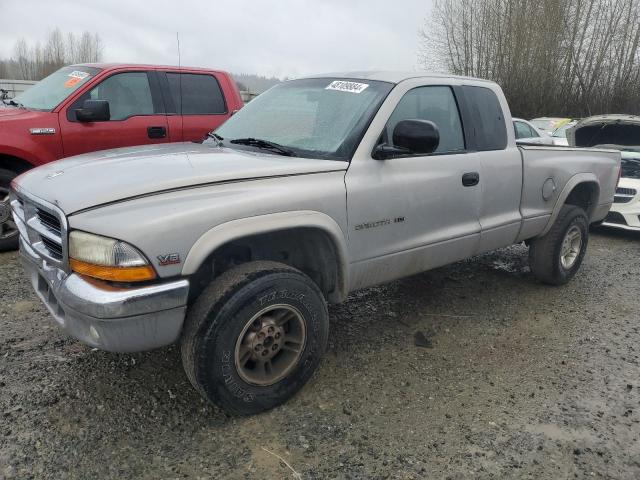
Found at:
(52, 90)
(315, 118)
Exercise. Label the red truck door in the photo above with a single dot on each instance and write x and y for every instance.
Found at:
(199, 98)
(137, 115)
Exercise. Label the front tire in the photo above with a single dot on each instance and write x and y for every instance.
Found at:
(254, 337)
(8, 230)
(555, 257)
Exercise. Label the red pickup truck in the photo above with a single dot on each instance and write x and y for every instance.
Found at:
(83, 108)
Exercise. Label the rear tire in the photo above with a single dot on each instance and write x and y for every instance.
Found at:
(555, 257)
(8, 231)
(255, 314)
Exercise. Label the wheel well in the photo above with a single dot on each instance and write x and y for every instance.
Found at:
(310, 250)
(15, 164)
(584, 195)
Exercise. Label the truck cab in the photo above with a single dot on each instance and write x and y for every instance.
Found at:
(84, 108)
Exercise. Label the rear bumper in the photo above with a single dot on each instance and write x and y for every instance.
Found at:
(107, 317)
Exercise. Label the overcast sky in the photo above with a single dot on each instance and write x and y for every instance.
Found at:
(276, 37)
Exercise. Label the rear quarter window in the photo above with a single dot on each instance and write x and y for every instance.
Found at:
(489, 127)
(199, 94)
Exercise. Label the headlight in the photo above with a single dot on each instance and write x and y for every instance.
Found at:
(107, 259)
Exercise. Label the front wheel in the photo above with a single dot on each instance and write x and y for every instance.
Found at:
(255, 336)
(8, 230)
(555, 257)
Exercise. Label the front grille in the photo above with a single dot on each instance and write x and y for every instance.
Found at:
(49, 221)
(615, 217)
(624, 195)
(54, 249)
(42, 227)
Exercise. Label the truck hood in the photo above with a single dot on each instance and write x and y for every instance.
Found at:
(98, 178)
(612, 131)
(14, 113)
(10, 111)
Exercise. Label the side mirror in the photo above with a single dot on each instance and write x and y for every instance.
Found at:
(94, 111)
(419, 136)
(411, 137)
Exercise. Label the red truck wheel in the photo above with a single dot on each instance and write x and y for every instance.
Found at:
(8, 231)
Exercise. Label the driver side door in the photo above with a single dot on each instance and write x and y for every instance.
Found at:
(415, 212)
(137, 115)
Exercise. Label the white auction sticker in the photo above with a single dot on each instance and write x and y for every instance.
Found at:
(344, 86)
(78, 74)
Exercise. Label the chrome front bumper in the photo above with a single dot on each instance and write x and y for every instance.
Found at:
(107, 317)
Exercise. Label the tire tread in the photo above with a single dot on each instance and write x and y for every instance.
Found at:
(542, 250)
(211, 300)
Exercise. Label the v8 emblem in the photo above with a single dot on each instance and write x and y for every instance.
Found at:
(169, 259)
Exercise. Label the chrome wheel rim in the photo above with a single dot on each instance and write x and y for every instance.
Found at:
(571, 246)
(270, 345)
(8, 228)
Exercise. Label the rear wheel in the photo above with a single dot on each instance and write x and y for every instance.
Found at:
(254, 337)
(555, 257)
(8, 229)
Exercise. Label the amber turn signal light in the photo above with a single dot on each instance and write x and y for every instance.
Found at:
(113, 274)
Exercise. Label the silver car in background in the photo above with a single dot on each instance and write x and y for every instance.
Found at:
(527, 133)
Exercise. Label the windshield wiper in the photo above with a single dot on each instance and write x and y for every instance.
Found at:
(13, 103)
(216, 138)
(264, 144)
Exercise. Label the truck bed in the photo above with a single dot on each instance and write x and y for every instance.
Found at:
(549, 174)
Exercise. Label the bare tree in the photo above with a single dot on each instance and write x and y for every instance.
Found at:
(88, 48)
(55, 49)
(37, 61)
(575, 57)
(23, 59)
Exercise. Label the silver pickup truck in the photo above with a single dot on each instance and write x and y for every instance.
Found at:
(318, 187)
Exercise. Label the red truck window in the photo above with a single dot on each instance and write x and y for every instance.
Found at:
(128, 94)
(200, 94)
(57, 87)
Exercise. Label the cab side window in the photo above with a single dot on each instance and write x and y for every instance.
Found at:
(436, 104)
(128, 94)
(488, 127)
(196, 94)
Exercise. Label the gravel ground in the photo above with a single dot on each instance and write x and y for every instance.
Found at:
(515, 380)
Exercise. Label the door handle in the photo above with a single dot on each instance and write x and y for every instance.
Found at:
(470, 179)
(156, 132)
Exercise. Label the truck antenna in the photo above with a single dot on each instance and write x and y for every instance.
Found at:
(180, 85)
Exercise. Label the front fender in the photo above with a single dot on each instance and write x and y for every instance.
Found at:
(236, 229)
(17, 139)
(25, 156)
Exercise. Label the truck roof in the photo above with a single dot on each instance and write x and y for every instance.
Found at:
(113, 66)
(394, 76)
